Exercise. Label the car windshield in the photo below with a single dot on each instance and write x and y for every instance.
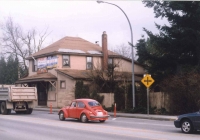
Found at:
(93, 103)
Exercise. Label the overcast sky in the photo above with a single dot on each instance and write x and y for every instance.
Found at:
(85, 19)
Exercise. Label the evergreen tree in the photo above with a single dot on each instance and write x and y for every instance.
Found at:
(176, 49)
(81, 90)
(2, 71)
(11, 70)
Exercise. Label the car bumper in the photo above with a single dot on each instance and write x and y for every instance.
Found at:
(100, 117)
(177, 123)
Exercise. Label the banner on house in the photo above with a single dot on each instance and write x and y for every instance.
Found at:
(52, 62)
(42, 65)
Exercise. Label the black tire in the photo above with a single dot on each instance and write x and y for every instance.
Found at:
(186, 126)
(0, 107)
(29, 111)
(61, 116)
(18, 112)
(8, 111)
(102, 121)
(4, 110)
(84, 118)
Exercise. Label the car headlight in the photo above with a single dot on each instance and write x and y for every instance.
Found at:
(177, 118)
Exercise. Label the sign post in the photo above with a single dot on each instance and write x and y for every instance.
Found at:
(147, 81)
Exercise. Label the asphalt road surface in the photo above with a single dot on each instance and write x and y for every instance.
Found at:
(41, 125)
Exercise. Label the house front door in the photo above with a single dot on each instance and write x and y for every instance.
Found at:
(42, 93)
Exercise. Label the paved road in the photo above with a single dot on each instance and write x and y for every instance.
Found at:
(43, 126)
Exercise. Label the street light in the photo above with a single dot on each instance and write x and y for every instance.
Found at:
(133, 81)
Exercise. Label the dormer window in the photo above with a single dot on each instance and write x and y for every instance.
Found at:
(66, 61)
(89, 65)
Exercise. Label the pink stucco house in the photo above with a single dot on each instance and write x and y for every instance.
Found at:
(55, 69)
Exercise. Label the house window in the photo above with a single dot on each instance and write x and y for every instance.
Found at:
(110, 63)
(51, 87)
(34, 65)
(89, 65)
(66, 60)
(62, 84)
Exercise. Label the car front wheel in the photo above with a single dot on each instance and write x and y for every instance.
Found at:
(61, 116)
(186, 126)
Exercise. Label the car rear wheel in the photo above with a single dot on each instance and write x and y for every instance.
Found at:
(0, 107)
(186, 126)
(84, 118)
(61, 116)
(102, 121)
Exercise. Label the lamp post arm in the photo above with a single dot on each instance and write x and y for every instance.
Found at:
(126, 18)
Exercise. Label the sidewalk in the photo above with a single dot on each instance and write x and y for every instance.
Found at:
(127, 115)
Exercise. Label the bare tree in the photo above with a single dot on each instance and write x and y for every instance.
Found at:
(124, 50)
(19, 43)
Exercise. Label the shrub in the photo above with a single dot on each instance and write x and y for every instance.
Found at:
(183, 92)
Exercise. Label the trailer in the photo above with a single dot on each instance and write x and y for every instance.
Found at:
(20, 99)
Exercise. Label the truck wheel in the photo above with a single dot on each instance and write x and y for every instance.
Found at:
(8, 111)
(29, 111)
(4, 110)
(18, 112)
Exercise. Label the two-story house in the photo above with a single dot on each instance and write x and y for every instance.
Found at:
(55, 69)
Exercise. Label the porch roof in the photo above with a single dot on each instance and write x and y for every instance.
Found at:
(37, 77)
(88, 74)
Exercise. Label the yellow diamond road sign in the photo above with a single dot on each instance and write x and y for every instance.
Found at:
(147, 80)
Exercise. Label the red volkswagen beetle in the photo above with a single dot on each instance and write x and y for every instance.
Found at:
(84, 110)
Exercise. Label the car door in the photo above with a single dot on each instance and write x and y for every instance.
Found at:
(72, 110)
(80, 108)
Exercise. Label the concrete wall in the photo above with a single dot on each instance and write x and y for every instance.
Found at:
(65, 96)
(159, 100)
(108, 99)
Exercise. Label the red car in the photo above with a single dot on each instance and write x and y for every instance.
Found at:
(84, 110)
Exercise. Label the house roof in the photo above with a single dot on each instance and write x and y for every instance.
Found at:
(38, 77)
(72, 45)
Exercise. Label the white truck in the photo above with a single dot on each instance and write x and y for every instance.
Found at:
(19, 99)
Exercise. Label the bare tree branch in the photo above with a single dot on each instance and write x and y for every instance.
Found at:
(124, 50)
(21, 44)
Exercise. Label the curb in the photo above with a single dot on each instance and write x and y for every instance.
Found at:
(126, 115)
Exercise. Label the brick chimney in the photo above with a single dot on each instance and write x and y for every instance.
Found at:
(104, 51)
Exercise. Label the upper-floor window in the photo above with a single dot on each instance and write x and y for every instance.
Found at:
(65, 60)
(110, 63)
(34, 65)
(89, 65)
